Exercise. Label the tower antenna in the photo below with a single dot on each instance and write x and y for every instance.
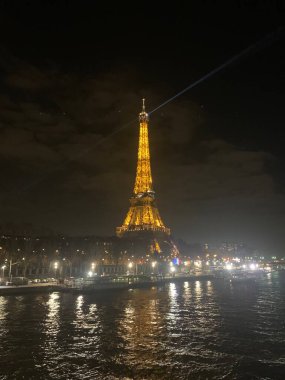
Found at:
(143, 105)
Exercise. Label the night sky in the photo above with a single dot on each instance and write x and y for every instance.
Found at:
(72, 78)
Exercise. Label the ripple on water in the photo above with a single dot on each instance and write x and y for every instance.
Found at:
(195, 330)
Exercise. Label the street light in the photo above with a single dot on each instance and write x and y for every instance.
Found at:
(153, 265)
(130, 266)
(69, 264)
(55, 268)
(91, 272)
(229, 266)
(3, 269)
(11, 264)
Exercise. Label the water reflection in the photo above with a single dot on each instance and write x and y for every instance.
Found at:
(173, 305)
(200, 329)
(198, 289)
(52, 319)
(3, 311)
(3, 316)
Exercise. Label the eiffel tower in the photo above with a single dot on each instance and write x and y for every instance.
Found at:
(143, 218)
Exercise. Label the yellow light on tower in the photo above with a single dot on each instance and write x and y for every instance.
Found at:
(143, 213)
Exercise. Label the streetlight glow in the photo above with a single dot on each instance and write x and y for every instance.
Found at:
(253, 266)
(3, 269)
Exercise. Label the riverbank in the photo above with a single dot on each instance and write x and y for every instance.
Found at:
(28, 289)
(51, 287)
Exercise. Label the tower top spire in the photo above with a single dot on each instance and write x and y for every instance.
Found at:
(143, 116)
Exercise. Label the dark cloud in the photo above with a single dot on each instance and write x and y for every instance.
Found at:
(68, 149)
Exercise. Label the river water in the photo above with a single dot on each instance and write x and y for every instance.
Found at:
(192, 330)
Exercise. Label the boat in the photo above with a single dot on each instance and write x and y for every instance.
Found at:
(96, 283)
(91, 284)
(100, 283)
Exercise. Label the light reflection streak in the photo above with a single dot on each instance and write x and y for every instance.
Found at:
(3, 311)
(128, 320)
(198, 290)
(172, 291)
(87, 320)
(140, 327)
(3, 316)
(209, 287)
(173, 299)
(51, 324)
(186, 285)
(187, 290)
(78, 304)
(173, 313)
(52, 320)
(194, 327)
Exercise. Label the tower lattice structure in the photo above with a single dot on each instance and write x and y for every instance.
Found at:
(143, 214)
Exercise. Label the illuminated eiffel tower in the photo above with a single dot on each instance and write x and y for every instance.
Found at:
(143, 217)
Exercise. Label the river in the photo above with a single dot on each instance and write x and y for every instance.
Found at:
(192, 330)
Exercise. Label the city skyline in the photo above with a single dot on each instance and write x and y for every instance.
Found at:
(68, 143)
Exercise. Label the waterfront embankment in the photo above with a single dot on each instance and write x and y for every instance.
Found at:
(52, 287)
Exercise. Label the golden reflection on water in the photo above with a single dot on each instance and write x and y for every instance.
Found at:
(140, 324)
(183, 330)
